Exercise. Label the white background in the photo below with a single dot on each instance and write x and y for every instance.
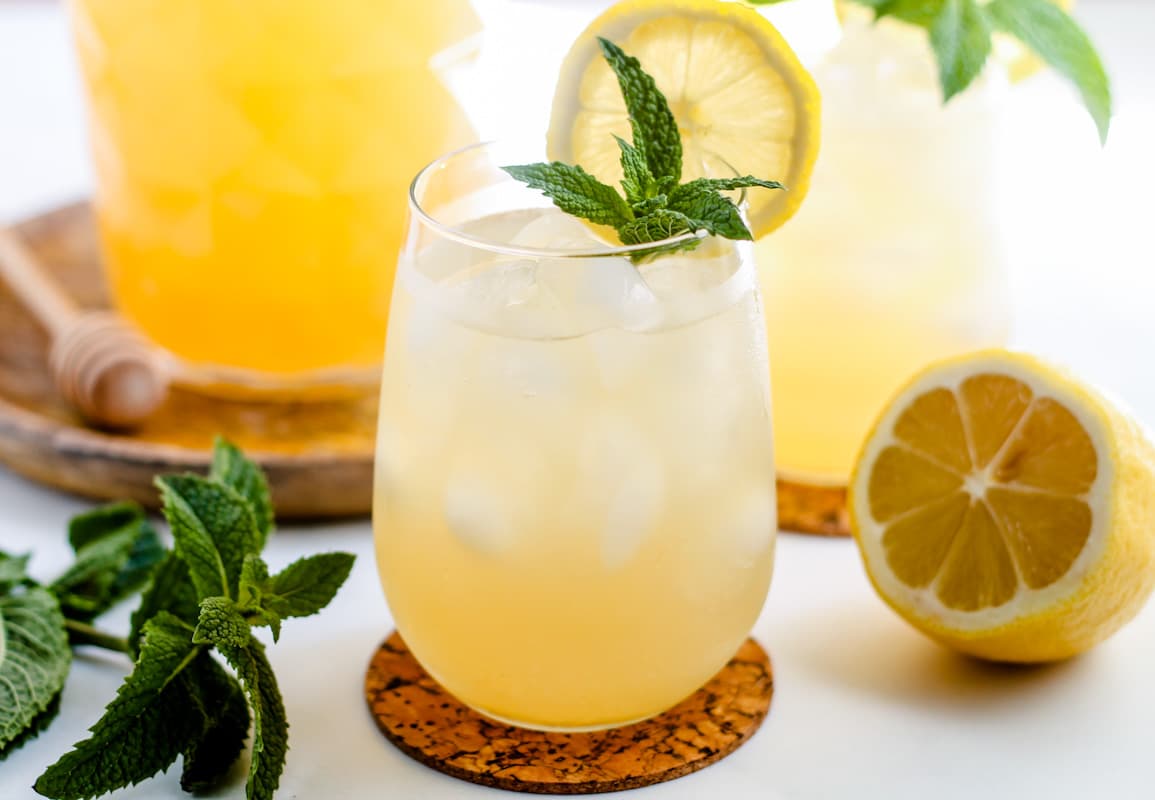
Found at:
(865, 707)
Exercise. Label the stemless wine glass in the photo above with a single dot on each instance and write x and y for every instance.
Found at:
(574, 503)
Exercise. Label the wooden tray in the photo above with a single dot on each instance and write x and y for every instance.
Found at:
(318, 455)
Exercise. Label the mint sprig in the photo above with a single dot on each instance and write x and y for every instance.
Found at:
(656, 205)
(202, 601)
(960, 36)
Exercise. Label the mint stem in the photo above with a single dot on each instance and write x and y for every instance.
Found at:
(80, 633)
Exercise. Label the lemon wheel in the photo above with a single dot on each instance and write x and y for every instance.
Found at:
(742, 100)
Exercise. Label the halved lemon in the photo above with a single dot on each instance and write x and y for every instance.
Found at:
(1007, 510)
(742, 100)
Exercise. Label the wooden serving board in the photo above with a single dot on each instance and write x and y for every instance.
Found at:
(318, 455)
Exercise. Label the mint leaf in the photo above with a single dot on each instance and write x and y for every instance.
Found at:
(575, 192)
(307, 585)
(637, 181)
(661, 223)
(91, 526)
(171, 591)
(221, 701)
(917, 12)
(232, 468)
(270, 724)
(961, 39)
(146, 726)
(1059, 41)
(13, 571)
(37, 726)
(116, 551)
(715, 213)
(655, 131)
(299, 590)
(221, 624)
(213, 528)
(34, 659)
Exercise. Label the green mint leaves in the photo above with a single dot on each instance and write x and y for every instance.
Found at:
(34, 657)
(1059, 41)
(201, 600)
(960, 35)
(656, 205)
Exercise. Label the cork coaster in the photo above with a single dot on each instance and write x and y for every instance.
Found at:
(807, 508)
(431, 726)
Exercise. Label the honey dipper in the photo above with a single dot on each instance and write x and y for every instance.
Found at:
(106, 370)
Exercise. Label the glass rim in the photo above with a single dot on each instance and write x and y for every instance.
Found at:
(460, 236)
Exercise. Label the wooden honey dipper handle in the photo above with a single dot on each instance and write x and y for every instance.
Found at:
(109, 373)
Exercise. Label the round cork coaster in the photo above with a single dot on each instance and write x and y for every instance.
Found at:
(810, 508)
(431, 726)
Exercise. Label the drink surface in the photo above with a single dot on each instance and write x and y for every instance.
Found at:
(574, 504)
(253, 160)
(895, 260)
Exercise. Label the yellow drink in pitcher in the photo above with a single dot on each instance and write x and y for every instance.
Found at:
(252, 159)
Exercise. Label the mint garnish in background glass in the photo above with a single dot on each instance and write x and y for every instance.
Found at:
(960, 34)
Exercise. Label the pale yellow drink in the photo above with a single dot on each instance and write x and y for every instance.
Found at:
(896, 259)
(574, 504)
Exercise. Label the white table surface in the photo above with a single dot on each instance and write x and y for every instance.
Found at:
(865, 707)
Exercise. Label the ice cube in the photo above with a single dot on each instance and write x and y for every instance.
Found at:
(595, 293)
(555, 230)
(682, 275)
(624, 484)
(476, 515)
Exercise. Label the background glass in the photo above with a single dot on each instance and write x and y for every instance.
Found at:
(574, 506)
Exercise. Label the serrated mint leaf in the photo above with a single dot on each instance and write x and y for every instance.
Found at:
(655, 131)
(307, 585)
(91, 526)
(145, 727)
(34, 659)
(232, 468)
(661, 223)
(213, 528)
(719, 215)
(111, 563)
(1058, 40)
(574, 191)
(713, 213)
(270, 724)
(13, 571)
(221, 624)
(170, 591)
(37, 726)
(961, 39)
(209, 758)
(637, 181)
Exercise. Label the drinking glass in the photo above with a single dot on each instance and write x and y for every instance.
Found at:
(898, 256)
(574, 507)
(251, 161)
